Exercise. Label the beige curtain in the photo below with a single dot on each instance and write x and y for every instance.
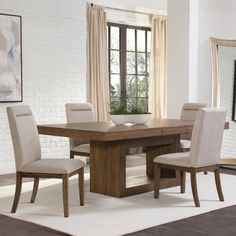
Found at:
(97, 61)
(158, 75)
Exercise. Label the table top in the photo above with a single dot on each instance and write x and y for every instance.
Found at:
(107, 131)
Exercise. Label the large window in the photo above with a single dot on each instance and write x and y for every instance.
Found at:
(129, 63)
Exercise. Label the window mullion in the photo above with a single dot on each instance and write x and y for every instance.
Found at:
(109, 55)
(146, 71)
(123, 62)
(136, 68)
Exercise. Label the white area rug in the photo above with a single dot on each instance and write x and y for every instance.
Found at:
(111, 216)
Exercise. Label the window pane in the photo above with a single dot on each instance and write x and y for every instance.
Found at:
(115, 61)
(140, 103)
(142, 86)
(148, 63)
(131, 86)
(148, 81)
(149, 41)
(115, 37)
(131, 103)
(115, 101)
(130, 39)
(107, 36)
(143, 104)
(141, 40)
(130, 62)
(115, 85)
(141, 60)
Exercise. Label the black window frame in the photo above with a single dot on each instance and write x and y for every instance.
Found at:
(123, 60)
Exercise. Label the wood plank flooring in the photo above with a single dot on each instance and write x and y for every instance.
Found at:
(10, 226)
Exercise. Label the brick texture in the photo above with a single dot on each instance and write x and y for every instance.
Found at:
(54, 68)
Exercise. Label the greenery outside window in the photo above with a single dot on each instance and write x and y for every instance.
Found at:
(129, 64)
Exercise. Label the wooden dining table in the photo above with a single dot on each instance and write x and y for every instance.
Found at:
(108, 148)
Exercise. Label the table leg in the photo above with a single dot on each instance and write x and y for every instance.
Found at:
(154, 151)
(107, 168)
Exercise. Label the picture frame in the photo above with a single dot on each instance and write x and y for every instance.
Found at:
(234, 95)
(11, 82)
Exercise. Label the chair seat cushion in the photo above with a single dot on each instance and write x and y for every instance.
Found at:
(175, 159)
(53, 166)
(185, 144)
(82, 148)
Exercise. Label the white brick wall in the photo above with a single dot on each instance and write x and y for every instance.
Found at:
(227, 56)
(54, 67)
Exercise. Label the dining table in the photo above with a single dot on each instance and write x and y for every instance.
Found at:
(108, 151)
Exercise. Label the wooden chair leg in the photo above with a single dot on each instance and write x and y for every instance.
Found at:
(71, 155)
(81, 186)
(17, 192)
(218, 185)
(65, 180)
(157, 174)
(194, 188)
(182, 181)
(35, 189)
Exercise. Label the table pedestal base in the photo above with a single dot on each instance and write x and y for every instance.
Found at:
(108, 166)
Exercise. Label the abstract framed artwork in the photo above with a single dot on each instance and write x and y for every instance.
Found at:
(234, 95)
(10, 58)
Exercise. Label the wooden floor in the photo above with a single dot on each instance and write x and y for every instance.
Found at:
(10, 226)
(216, 223)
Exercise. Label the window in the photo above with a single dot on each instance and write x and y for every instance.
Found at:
(129, 63)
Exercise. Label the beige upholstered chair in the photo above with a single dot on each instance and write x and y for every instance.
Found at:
(28, 160)
(204, 154)
(189, 111)
(79, 113)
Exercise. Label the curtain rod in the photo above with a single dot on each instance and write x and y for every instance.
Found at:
(131, 11)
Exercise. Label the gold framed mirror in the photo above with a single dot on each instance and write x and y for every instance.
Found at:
(215, 43)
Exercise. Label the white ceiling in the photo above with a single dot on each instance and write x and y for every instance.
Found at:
(138, 5)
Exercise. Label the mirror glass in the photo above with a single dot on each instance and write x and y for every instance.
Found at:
(226, 59)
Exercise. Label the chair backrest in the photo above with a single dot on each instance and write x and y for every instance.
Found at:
(79, 113)
(24, 135)
(189, 111)
(207, 136)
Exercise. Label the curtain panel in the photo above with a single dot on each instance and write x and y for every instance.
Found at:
(97, 61)
(158, 74)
